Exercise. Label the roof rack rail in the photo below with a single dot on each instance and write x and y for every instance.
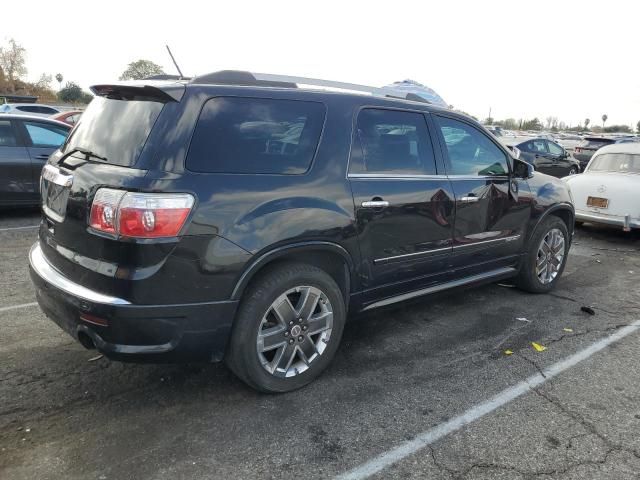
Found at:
(238, 77)
(165, 76)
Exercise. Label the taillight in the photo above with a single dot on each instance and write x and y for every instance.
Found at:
(104, 208)
(139, 215)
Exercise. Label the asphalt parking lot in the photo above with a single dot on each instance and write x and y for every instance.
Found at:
(401, 378)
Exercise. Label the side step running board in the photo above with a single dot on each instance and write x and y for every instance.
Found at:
(491, 275)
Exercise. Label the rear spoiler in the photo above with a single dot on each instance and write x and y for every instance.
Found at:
(145, 91)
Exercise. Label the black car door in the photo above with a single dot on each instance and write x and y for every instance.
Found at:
(561, 163)
(492, 207)
(542, 160)
(16, 187)
(404, 209)
(42, 139)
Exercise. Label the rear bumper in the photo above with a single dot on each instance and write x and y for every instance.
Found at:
(620, 221)
(124, 331)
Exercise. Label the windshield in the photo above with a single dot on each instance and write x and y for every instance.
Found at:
(616, 162)
(114, 129)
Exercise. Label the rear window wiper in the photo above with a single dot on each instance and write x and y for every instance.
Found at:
(87, 153)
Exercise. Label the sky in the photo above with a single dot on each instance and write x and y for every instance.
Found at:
(567, 59)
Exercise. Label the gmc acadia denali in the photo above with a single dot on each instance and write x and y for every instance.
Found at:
(240, 217)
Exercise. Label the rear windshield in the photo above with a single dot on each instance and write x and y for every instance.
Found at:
(255, 135)
(616, 162)
(115, 130)
(595, 142)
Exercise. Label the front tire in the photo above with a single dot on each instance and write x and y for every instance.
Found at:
(288, 328)
(573, 171)
(547, 256)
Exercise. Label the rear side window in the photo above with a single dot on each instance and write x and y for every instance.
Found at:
(7, 135)
(470, 151)
(391, 142)
(256, 135)
(44, 135)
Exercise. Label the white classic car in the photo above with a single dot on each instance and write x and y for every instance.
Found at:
(609, 189)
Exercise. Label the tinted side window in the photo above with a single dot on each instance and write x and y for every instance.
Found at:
(28, 109)
(391, 142)
(255, 135)
(470, 151)
(555, 149)
(525, 147)
(43, 135)
(7, 135)
(538, 146)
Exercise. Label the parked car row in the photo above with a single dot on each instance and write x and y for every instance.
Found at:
(69, 117)
(25, 145)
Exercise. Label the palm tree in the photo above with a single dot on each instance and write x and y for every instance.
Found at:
(59, 78)
(586, 123)
(604, 120)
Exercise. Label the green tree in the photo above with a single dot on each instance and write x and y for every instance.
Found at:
(141, 69)
(72, 93)
(534, 124)
(488, 121)
(618, 129)
(586, 123)
(638, 127)
(604, 120)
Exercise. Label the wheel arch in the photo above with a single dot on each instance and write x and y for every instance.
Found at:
(328, 256)
(564, 211)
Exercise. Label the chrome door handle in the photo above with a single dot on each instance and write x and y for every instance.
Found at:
(375, 204)
(469, 199)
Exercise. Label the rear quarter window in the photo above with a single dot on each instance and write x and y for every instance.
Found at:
(256, 135)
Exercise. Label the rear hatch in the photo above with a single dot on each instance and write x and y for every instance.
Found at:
(108, 151)
(591, 144)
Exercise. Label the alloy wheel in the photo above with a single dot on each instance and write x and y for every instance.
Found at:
(294, 331)
(550, 256)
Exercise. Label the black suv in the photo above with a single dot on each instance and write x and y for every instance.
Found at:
(240, 217)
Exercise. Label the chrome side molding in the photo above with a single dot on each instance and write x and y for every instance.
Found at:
(498, 273)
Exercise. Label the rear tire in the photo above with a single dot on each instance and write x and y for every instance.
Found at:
(547, 256)
(287, 329)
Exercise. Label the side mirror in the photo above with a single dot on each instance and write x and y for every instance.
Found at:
(522, 169)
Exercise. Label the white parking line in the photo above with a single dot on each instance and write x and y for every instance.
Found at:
(15, 307)
(410, 447)
(18, 228)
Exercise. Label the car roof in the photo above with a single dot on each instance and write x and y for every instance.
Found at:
(30, 105)
(36, 118)
(170, 86)
(629, 147)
